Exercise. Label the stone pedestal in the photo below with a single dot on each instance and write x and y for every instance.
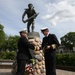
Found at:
(38, 55)
(33, 35)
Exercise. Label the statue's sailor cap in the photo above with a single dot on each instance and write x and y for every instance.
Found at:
(23, 31)
(45, 28)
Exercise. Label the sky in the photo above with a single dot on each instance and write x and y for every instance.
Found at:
(57, 15)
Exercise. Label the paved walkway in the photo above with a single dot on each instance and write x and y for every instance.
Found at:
(59, 72)
(5, 72)
(64, 72)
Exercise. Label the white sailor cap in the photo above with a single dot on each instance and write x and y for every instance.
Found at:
(45, 28)
(23, 31)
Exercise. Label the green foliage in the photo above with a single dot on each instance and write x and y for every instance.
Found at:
(68, 40)
(7, 55)
(65, 59)
(2, 36)
(7, 42)
(11, 43)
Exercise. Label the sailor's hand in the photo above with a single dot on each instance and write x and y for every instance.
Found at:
(48, 47)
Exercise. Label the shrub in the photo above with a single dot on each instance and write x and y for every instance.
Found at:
(7, 55)
(65, 59)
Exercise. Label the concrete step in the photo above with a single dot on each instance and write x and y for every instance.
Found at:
(7, 64)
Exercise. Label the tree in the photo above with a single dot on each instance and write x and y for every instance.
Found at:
(11, 43)
(2, 36)
(68, 40)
